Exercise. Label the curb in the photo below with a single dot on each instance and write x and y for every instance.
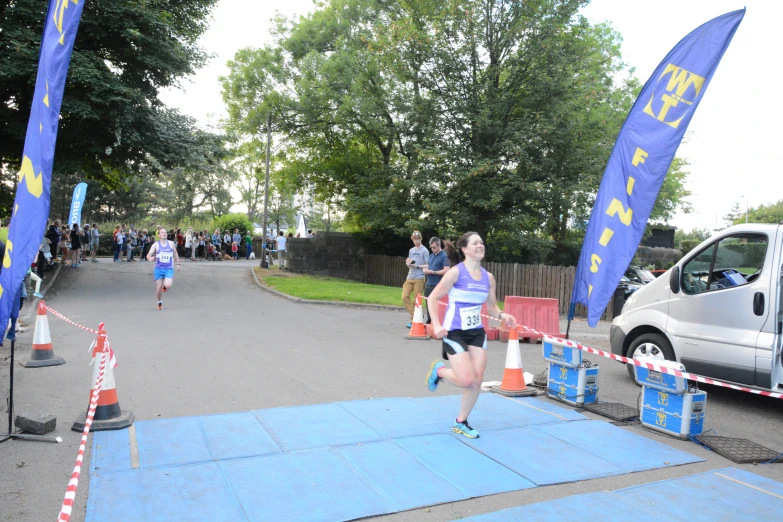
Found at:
(385, 308)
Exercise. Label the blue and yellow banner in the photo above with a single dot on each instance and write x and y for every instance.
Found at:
(641, 158)
(31, 205)
(77, 204)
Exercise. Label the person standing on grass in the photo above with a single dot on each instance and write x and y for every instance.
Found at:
(235, 250)
(468, 286)
(436, 267)
(414, 284)
(164, 253)
(281, 249)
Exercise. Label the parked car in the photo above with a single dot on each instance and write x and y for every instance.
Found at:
(658, 273)
(719, 312)
(628, 286)
(639, 275)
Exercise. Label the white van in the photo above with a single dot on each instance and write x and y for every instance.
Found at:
(719, 311)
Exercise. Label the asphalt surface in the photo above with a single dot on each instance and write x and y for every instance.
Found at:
(221, 344)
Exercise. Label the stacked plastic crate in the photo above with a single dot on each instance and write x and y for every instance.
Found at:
(668, 403)
(571, 379)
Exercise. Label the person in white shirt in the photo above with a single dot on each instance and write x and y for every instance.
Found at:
(281, 244)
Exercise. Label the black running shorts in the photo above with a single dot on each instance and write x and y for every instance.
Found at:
(458, 341)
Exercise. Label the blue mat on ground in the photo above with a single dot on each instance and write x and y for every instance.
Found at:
(723, 494)
(354, 459)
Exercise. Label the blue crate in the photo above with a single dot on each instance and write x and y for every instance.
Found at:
(661, 381)
(681, 415)
(561, 354)
(577, 386)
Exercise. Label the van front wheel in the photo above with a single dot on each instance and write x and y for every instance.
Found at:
(652, 345)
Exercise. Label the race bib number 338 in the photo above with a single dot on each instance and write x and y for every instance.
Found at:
(470, 316)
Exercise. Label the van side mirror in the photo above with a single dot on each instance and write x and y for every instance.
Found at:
(674, 280)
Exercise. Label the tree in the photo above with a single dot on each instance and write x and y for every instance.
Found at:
(734, 215)
(772, 213)
(673, 194)
(124, 53)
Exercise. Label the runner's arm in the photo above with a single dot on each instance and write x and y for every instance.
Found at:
(176, 255)
(433, 307)
(152, 252)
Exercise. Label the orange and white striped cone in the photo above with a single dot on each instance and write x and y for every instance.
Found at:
(513, 384)
(108, 415)
(417, 327)
(42, 353)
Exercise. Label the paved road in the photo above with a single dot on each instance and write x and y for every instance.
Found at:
(221, 345)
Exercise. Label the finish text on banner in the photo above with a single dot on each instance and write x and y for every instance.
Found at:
(31, 205)
(640, 159)
(77, 203)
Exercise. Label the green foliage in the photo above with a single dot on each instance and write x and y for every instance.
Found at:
(111, 117)
(686, 245)
(699, 234)
(772, 213)
(445, 116)
(673, 194)
(229, 222)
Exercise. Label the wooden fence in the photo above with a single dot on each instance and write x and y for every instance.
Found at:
(512, 279)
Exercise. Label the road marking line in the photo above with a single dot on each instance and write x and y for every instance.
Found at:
(539, 409)
(749, 485)
(134, 447)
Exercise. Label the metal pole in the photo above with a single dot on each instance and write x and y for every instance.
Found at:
(266, 184)
(11, 391)
(746, 210)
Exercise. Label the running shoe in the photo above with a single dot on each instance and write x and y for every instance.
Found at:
(465, 429)
(432, 375)
(38, 295)
(160, 305)
(409, 325)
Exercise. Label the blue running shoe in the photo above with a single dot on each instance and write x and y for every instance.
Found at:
(465, 429)
(432, 375)
(409, 326)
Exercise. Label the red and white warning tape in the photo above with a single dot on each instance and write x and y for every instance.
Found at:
(70, 492)
(61, 316)
(627, 360)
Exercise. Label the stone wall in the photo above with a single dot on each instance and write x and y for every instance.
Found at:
(332, 254)
(660, 257)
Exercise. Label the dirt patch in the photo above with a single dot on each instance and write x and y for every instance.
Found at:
(263, 273)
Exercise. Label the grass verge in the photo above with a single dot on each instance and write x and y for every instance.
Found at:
(328, 288)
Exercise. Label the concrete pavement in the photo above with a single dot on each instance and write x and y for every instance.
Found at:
(222, 345)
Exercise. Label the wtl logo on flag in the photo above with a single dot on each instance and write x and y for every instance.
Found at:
(681, 90)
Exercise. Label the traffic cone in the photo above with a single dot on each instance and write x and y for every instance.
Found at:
(417, 328)
(108, 415)
(513, 384)
(42, 353)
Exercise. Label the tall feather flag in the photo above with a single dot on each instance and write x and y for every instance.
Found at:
(31, 205)
(641, 158)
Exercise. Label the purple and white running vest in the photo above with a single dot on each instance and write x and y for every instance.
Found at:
(465, 300)
(164, 258)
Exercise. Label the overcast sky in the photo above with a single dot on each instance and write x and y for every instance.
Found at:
(734, 137)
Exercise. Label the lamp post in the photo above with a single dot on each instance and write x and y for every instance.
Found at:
(746, 208)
